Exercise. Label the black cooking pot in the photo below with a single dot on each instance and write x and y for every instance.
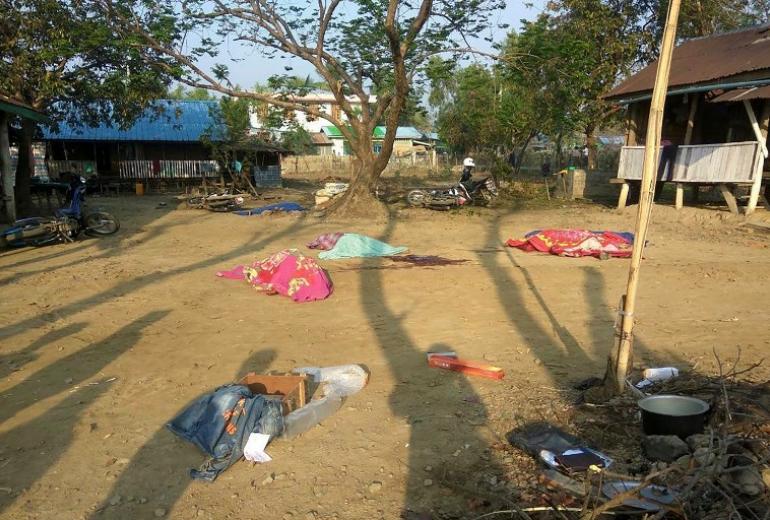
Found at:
(673, 415)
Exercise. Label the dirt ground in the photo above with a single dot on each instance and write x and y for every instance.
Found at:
(103, 341)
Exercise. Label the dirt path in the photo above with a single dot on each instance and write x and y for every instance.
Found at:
(103, 341)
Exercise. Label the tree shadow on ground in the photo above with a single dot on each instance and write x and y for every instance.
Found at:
(158, 473)
(561, 354)
(447, 457)
(560, 349)
(75, 368)
(35, 446)
(16, 360)
(139, 282)
(145, 216)
(109, 247)
(25, 253)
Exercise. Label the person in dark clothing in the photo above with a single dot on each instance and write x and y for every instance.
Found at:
(545, 168)
(512, 160)
(468, 166)
(467, 177)
(74, 181)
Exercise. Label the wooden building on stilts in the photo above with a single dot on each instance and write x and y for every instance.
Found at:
(717, 113)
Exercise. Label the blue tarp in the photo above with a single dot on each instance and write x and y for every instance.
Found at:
(279, 206)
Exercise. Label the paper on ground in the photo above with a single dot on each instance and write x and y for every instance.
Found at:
(254, 450)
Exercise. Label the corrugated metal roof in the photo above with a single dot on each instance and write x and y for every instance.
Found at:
(742, 94)
(320, 138)
(611, 139)
(408, 132)
(705, 60)
(180, 121)
(402, 132)
(332, 131)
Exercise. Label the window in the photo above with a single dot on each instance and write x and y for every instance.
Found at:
(377, 148)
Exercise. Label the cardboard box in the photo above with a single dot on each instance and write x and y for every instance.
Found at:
(291, 390)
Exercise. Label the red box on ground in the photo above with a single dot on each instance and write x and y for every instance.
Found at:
(472, 368)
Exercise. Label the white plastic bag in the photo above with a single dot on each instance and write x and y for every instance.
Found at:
(337, 383)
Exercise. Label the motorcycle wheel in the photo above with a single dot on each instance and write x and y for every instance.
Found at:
(486, 197)
(101, 223)
(223, 208)
(416, 197)
(195, 202)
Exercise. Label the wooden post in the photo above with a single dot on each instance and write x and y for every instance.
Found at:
(6, 172)
(679, 201)
(729, 197)
(762, 138)
(620, 359)
(691, 119)
(623, 198)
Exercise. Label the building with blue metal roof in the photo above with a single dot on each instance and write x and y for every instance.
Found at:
(170, 121)
(165, 142)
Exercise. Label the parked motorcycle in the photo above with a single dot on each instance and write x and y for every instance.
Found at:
(65, 226)
(477, 193)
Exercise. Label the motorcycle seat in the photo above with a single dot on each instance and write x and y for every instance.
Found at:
(66, 212)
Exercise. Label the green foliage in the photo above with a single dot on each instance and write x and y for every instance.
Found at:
(707, 17)
(230, 122)
(468, 122)
(357, 47)
(197, 94)
(62, 58)
(298, 141)
(229, 137)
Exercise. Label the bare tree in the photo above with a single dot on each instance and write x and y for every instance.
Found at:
(367, 51)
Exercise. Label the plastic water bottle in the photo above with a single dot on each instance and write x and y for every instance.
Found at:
(660, 374)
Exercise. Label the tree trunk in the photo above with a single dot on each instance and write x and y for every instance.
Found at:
(591, 144)
(359, 200)
(558, 162)
(25, 169)
(5, 170)
(520, 158)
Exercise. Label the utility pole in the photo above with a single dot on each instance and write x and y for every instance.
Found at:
(620, 359)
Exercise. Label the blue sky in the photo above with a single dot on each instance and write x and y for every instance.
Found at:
(251, 67)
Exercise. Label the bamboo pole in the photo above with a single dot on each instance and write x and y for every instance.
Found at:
(621, 357)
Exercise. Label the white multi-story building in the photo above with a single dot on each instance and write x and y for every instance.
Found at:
(328, 139)
(323, 102)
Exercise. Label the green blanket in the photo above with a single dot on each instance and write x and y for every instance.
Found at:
(351, 245)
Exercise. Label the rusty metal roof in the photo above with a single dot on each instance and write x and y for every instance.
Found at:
(705, 61)
(319, 138)
(741, 94)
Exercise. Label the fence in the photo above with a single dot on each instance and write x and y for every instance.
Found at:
(334, 164)
(83, 168)
(267, 176)
(168, 169)
(706, 163)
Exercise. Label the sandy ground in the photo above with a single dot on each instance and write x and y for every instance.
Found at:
(103, 341)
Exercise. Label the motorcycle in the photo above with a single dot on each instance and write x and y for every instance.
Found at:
(65, 226)
(216, 202)
(478, 193)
